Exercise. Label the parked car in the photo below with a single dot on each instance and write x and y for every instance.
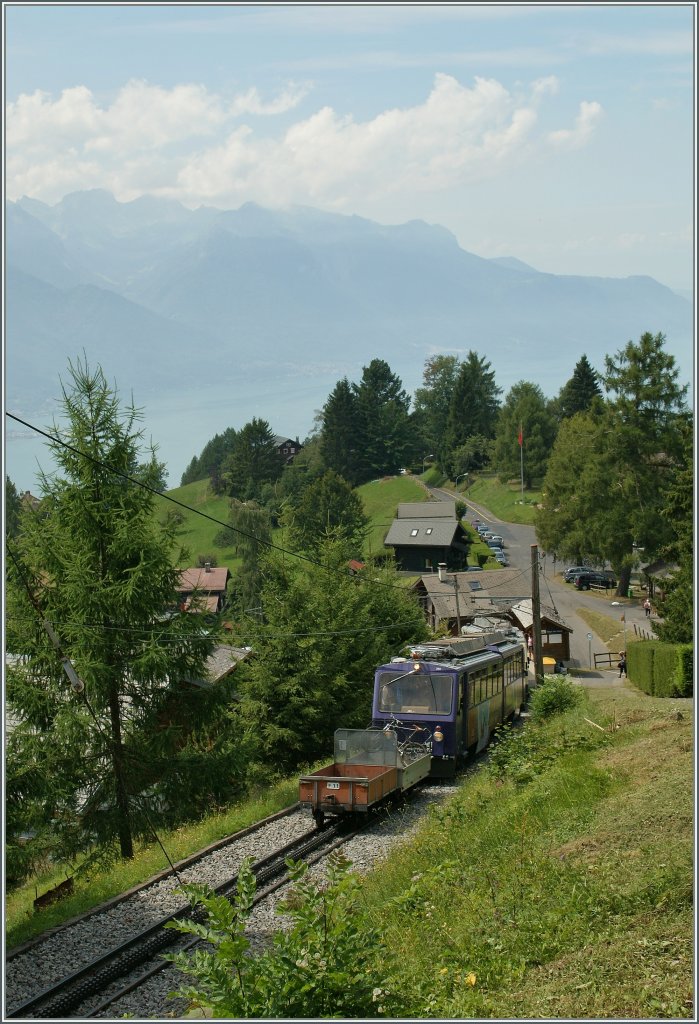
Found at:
(585, 580)
(501, 558)
(499, 540)
(570, 574)
(474, 568)
(482, 528)
(494, 542)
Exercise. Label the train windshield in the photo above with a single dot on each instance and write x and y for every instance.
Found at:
(418, 693)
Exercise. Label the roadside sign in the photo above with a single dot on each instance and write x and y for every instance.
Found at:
(589, 636)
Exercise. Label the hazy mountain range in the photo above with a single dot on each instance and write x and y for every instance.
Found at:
(161, 295)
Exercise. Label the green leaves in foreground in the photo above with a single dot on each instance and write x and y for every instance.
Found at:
(328, 963)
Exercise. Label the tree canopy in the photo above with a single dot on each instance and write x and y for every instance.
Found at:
(252, 461)
(578, 393)
(328, 507)
(525, 412)
(324, 632)
(98, 565)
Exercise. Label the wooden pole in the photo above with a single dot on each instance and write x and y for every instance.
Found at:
(536, 615)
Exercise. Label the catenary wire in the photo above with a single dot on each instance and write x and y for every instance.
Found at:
(205, 515)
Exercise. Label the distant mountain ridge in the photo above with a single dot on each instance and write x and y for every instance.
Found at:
(150, 287)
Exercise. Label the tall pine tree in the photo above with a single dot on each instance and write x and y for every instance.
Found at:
(99, 565)
(578, 394)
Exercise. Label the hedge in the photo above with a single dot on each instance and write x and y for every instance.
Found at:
(662, 669)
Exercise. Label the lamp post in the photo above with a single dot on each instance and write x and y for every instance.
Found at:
(424, 457)
(442, 573)
(460, 477)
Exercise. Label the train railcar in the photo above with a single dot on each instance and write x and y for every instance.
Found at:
(458, 690)
(370, 767)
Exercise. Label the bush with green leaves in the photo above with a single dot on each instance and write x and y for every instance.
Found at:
(330, 962)
(554, 696)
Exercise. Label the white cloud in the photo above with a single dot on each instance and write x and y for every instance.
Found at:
(585, 122)
(190, 144)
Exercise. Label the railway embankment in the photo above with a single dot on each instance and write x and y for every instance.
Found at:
(558, 883)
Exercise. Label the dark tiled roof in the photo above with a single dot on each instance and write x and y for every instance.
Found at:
(422, 533)
(426, 510)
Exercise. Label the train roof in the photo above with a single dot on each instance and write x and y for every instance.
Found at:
(462, 650)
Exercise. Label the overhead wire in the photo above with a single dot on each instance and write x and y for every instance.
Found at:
(205, 515)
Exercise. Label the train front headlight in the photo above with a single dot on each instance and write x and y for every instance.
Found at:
(438, 735)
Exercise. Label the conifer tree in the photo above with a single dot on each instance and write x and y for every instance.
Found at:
(324, 632)
(473, 409)
(327, 508)
(578, 394)
(385, 441)
(97, 564)
(340, 439)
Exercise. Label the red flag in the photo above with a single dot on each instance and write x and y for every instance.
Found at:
(519, 436)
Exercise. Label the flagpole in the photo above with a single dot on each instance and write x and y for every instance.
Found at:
(521, 461)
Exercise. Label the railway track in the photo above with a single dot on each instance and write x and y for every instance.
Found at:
(67, 995)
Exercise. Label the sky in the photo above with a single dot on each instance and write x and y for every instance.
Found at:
(560, 134)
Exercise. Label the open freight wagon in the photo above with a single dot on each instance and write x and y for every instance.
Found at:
(369, 767)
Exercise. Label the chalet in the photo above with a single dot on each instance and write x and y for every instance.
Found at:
(425, 533)
(656, 575)
(203, 588)
(484, 599)
(286, 448)
(555, 634)
(478, 594)
(220, 664)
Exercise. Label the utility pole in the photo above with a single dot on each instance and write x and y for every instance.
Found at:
(536, 615)
(442, 573)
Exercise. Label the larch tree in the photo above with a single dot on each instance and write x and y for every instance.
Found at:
(96, 564)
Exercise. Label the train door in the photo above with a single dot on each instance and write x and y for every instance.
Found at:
(462, 714)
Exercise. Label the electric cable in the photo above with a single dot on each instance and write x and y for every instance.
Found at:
(205, 515)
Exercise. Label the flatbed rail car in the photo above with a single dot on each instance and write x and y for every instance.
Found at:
(370, 766)
(458, 689)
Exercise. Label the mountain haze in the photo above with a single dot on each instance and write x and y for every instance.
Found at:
(159, 294)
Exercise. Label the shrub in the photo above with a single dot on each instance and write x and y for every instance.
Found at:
(662, 669)
(330, 963)
(554, 696)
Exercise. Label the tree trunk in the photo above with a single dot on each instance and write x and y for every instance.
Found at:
(122, 799)
(624, 580)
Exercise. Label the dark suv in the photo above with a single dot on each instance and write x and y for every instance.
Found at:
(584, 580)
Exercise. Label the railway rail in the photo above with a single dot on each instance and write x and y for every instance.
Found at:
(69, 993)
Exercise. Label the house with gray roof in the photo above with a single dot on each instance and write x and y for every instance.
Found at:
(488, 598)
(490, 593)
(425, 533)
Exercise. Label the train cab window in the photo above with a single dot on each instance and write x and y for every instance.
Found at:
(421, 693)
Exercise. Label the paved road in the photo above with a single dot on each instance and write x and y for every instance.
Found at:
(563, 597)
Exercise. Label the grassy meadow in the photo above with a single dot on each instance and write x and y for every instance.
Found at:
(380, 499)
(561, 886)
(556, 883)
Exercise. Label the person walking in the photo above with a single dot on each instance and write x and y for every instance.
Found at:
(647, 606)
(622, 664)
